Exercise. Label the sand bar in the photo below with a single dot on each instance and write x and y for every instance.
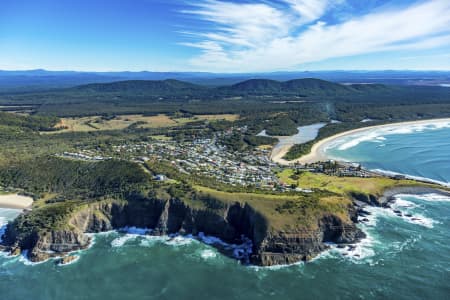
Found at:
(317, 151)
(15, 201)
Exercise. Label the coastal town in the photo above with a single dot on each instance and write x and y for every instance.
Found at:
(208, 157)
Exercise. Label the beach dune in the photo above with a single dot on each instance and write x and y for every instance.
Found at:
(15, 201)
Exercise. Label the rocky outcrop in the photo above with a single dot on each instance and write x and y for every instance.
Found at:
(67, 259)
(366, 198)
(52, 243)
(287, 247)
(230, 222)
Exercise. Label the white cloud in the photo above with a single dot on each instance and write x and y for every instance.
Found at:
(309, 10)
(264, 37)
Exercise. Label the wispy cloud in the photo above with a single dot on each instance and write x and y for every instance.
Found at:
(272, 36)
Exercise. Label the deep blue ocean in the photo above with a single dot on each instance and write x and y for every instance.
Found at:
(402, 257)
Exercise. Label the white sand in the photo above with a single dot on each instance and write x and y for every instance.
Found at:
(317, 151)
(15, 201)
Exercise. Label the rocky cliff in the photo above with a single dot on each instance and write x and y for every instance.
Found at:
(231, 222)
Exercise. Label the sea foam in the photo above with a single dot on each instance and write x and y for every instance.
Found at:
(419, 178)
(378, 134)
(365, 251)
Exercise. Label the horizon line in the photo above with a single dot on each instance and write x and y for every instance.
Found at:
(228, 73)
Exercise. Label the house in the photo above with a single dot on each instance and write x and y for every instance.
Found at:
(160, 177)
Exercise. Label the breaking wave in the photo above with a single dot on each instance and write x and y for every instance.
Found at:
(377, 135)
(418, 178)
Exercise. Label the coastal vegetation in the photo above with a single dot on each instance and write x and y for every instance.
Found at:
(344, 186)
(74, 179)
(250, 98)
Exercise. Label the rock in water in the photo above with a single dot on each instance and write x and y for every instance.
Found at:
(67, 259)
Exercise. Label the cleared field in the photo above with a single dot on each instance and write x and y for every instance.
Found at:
(96, 123)
(341, 185)
(226, 117)
(265, 147)
(161, 137)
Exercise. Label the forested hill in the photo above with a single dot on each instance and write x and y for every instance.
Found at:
(299, 87)
(176, 89)
(154, 87)
(261, 87)
(247, 97)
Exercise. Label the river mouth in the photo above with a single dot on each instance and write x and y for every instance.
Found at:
(305, 134)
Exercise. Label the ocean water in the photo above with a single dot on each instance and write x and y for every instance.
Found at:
(420, 151)
(404, 256)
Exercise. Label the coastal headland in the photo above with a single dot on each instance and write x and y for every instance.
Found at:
(282, 228)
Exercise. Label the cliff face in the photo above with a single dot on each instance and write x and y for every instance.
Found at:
(229, 223)
(287, 247)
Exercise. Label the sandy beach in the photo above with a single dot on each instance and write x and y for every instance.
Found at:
(15, 201)
(317, 151)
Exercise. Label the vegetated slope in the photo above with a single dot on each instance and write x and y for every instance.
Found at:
(297, 87)
(179, 90)
(254, 86)
(152, 87)
(248, 97)
(36, 123)
(73, 177)
(308, 86)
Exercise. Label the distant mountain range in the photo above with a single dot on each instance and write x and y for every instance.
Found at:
(170, 95)
(257, 87)
(33, 80)
(152, 87)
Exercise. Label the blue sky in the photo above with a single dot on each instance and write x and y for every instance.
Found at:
(224, 36)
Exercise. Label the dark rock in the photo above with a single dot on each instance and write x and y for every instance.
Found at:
(366, 198)
(15, 251)
(67, 259)
(364, 213)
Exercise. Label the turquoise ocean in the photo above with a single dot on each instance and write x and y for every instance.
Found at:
(403, 257)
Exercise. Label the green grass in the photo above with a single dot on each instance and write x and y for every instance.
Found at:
(301, 211)
(343, 185)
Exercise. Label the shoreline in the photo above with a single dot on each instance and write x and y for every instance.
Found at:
(317, 150)
(411, 190)
(15, 201)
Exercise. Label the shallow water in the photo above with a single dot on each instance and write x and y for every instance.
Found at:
(304, 135)
(405, 256)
